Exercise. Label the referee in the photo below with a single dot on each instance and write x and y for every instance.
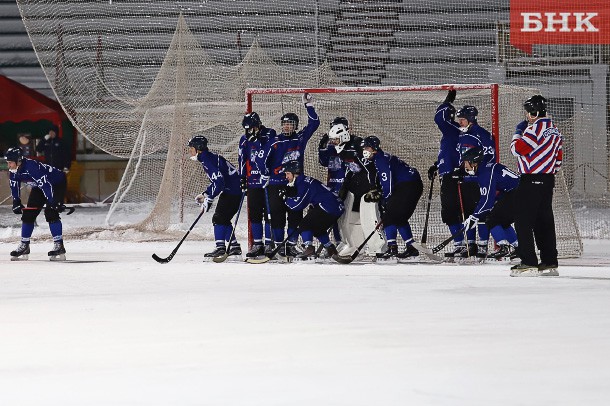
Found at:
(537, 144)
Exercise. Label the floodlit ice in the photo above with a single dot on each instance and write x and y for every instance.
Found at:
(116, 328)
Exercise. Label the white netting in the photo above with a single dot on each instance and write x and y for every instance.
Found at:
(404, 117)
(137, 78)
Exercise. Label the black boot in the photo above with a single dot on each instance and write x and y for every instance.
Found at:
(471, 252)
(58, 253)
(218, 252)
(392, 252)
(258, 249)
(22, 252)
(234, 249)
(502, 253)
(457, 251)
(309, 253)
(409, 252)
(289, 250)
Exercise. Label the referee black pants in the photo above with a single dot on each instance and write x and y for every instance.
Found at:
(534, 219)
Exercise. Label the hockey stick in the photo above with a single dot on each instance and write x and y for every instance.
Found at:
(463, 218)
(351, 258)
(68, 209)
(447, 241)
(224, 257)
(169, 258)
(424, 235)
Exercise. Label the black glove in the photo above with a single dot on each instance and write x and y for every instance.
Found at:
(17, 206)
(372, 196)
(243, 183)
(323, 142)
(432, 171)
(58, 207)
(458, 174)
(450, 96)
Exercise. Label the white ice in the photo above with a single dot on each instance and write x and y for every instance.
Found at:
(120, 329)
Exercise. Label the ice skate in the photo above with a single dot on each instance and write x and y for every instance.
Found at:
(468, 255)
(456, 253)
(410, 254)
(58, 253)
(548, 269)
(219, 251)
(258, 250)
(234, 253)
(308, 254)
(502, 253)
(22, 252)
(523, 270)
(388, 257)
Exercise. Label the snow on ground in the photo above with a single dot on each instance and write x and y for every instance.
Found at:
(116, 328)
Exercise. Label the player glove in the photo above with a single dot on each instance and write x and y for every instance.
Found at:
(458, 174)
(432, 171)
(58, 207)
(17, 206)
(470, 223)
(372, 196)
(521, 127)
(323, 142)
(450, 96)
(307, 99)
(243, 183)
(206, 205)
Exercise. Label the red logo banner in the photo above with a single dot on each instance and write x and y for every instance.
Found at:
(558, 22)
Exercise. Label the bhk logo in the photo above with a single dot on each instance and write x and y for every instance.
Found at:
(559, 22)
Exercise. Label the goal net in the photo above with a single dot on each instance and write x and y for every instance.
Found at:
(403, 119)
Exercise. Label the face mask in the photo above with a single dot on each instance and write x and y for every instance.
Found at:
(464, 129)
(367, 154)
(193, 158)
(13, 170)
(470, 172)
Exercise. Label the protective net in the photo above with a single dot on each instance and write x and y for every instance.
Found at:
(137, 78)
(403, 119)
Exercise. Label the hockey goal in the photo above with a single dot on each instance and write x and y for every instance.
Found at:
(403, 118)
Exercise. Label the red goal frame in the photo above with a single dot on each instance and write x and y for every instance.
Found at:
(492, 87)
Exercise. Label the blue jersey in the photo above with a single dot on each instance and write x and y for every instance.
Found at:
(287, 148)
(223, 176)
(329, 158)
(248, 153)
(494, 181)
(391, 171)
(312, 191)
(449, 153)
(477, 136)
(38, 175)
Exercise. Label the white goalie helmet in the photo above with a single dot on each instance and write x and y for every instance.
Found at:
(338, 134)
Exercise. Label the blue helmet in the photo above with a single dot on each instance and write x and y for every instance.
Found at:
(470, 113)
(199, 142)
(371, 141)
(290, 118)
(292, 167)
(251, 120)
(14, 154)
(472, 154)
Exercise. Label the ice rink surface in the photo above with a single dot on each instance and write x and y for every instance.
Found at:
(113, 327)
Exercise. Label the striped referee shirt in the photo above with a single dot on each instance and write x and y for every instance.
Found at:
(539, 149)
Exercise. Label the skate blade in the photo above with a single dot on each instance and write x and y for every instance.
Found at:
(21, 258)
(533, 273)
(60, 257)
(410, 260)
(386, 261)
